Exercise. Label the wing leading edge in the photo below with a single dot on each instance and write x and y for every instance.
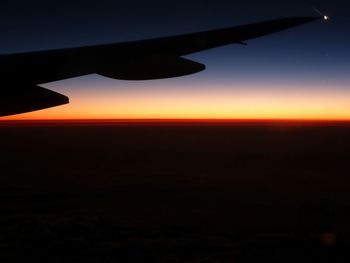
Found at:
(138, 60)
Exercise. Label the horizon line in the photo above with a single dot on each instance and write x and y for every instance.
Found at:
(173, 121)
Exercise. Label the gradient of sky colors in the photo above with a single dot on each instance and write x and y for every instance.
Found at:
(302, 73)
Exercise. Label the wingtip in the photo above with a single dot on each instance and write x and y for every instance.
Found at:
(321, 17)
(309, 19)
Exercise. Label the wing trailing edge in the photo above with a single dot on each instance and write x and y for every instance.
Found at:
(17, 100)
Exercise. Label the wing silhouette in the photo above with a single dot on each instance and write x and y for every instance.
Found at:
(138, 60)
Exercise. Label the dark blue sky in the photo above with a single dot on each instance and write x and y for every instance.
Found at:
(313, 55)
(28, 25)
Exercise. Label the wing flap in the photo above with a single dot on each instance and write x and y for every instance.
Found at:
(20, 100)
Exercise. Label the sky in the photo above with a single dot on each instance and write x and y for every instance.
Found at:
(302, 73)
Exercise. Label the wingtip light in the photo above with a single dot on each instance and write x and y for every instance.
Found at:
(326, 17)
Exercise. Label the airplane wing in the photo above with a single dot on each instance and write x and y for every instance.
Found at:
(138, 60)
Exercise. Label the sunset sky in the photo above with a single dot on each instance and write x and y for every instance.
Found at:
(302, 73)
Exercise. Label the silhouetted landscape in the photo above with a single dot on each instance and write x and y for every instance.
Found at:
(174, 192)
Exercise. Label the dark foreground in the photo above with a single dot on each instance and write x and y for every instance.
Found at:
(175, 193)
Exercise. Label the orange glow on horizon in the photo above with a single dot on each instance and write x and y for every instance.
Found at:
(219, 102)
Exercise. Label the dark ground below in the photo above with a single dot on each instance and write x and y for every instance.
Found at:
(175, 193)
